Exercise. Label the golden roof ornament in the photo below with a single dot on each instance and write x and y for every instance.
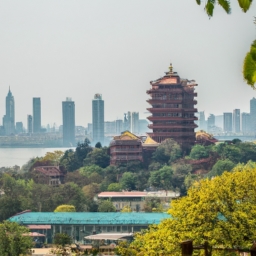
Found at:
(170, 68)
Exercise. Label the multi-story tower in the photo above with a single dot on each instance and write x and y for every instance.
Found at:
(202, 122)
(236, 120)
(9, 117)
(227, 122)
(119, 126)
(246, 122)
(135, 122)
(19, 127)
(253, 114)
(30, 124)
(36, 115)
(68, 118)
(173, 112)
(98, 119)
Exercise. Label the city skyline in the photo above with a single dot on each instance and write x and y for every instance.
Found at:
(87, 47)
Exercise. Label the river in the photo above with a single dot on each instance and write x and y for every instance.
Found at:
(19, 156)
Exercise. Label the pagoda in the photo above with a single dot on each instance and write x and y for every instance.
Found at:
(172, 101)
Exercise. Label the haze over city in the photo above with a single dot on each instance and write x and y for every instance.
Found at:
(60, 49)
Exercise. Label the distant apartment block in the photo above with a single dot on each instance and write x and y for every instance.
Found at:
(29, 124)
(236, 120)
(68, 118)
(98, 119)
(119, 126)
(246, 122)
(227, 122)
(202, 123)
(110, 128)
(219, 121)
(211, 123)
(36, 115)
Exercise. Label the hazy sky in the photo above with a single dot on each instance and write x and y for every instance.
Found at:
(76, 48)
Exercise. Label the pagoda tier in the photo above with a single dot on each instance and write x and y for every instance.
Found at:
(172, 101)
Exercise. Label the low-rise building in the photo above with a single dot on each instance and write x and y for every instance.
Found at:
(50, 175)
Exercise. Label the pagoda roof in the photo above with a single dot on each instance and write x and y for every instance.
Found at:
(127, 135)
(150, 141)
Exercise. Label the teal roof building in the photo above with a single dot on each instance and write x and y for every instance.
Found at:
(81, 224)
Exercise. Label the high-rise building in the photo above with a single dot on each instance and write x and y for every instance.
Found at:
(172, 101)
(29, 124)
(135, 122)
(110, 127)
(68, 119)
(253, 114)
(236, 120)
(143, 123)
(19, 127)
(202, 122)
(246, 122)
(9, 117)
(98, 119)
(119, 126)
(219, 121)
(36, 115)
(211, 123)
(227, 122)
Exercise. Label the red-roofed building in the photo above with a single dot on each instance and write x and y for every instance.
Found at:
(50, 175)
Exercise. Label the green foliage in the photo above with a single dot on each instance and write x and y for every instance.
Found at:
(128, 181)
(162, 178)
(219, 213)
(114, 187)
(99, 156)
(14, 239)
(221, 166)
(153, 204)
(167, 152)
(65, 208)
(126, 208)
(98, 145)
(199, 152)
(89, 169)
(91, 190)
(62, 239)
(249, 68)
(106, 206)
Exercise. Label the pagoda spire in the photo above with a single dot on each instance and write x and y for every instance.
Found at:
(171, 68)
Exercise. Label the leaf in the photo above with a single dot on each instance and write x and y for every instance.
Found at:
(225, 4)
(209, 7)
(198, 2)
(245, 4)
(249, 68)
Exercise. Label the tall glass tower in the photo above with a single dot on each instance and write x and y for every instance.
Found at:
(98, 119)
(9, 117)
(68, 117)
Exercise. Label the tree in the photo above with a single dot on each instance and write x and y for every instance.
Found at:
(162, 178)
(106, 206)
(128, 181)
(82, 150)
(126, 208)
(216, 213)
(99, 156)
(153, 204)
(199, 152)
(14, 239)
(221, 166)
(65, 208)
(98, 145)
(91, 190)
(114, 187)
(61, 240)
(168, 151)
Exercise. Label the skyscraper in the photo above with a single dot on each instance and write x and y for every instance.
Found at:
(135, 122)
(9, 117)
(253, 114)
(36, 115)
(236, 120)
(98, 119)
(211, 123)
(227, 122)
(246, 122)
(68, 119)
(30, 124)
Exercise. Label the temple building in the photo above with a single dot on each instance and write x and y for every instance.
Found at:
(124, 148)
(172, 101)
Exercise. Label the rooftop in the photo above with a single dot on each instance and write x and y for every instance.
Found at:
(88, 218)
(123, 194)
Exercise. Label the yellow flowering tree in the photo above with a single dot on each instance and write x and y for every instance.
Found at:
(218, 213)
